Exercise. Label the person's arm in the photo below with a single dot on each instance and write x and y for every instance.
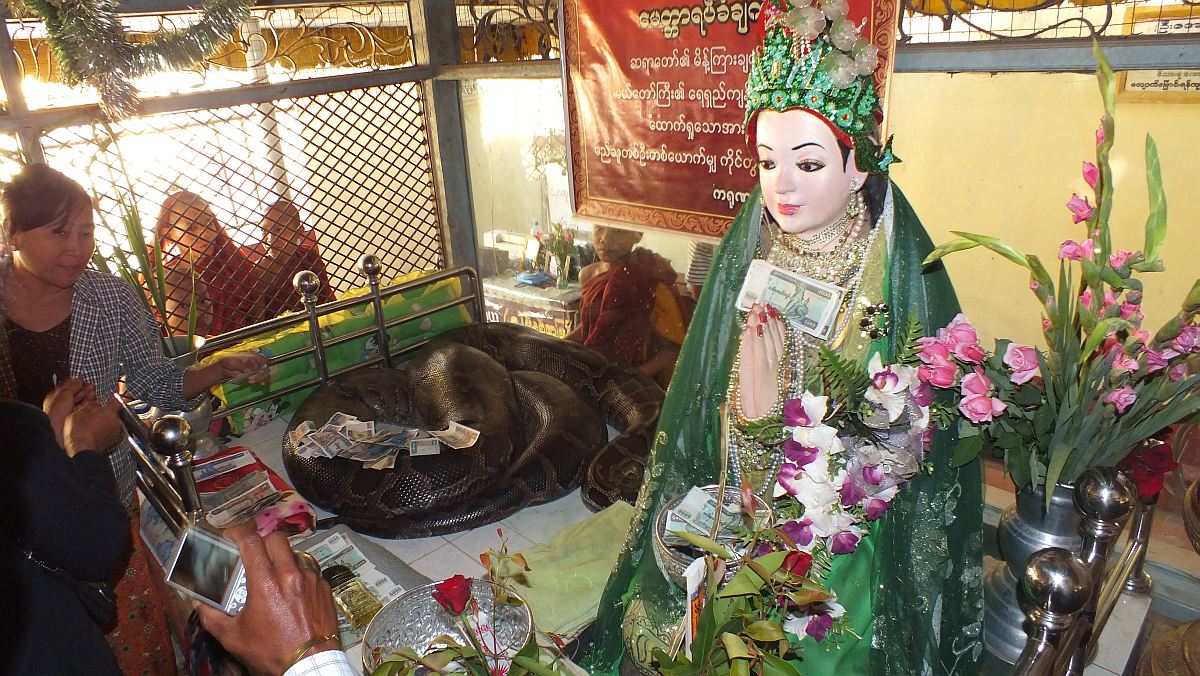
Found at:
(63, 504)
(289, 617)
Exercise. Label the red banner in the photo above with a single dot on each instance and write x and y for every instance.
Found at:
(655, 98)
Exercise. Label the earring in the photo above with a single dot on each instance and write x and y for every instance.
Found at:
(854, 185)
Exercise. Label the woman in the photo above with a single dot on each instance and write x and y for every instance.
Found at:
(190, 234)
(824, 210)
(63, 321)
(289, 249)
(58, 509)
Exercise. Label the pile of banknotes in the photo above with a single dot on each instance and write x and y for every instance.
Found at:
(696, 513)
(375, 444)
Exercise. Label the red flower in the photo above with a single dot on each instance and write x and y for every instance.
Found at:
(797, 563)
(1147, 465)
(452, 594)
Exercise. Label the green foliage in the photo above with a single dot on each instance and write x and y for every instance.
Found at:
(845, 379)
(908, 348)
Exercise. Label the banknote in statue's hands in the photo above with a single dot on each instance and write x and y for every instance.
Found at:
(808, 304)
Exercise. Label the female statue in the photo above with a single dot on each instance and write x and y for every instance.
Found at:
(824, 210)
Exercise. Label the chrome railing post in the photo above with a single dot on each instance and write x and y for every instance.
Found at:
(369, 266)
(308, 284)
(171, 436)
(1053, 589)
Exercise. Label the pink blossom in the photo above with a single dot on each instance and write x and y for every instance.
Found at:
(1090, 174)
(1046, 324)
(1110, 299)
(923, 394)
(1085, 298)
(1081, 209)
(972, 353)
(873, 475)
(1130, 311)
(1142, 335)
(1121, 257)
(875, 508)
(1034, 286)
(980, 408)
(885, 380)
(798, 453)
(794, 414)
(932, 349)
(1134, 296)
(976, 383)
(1155, 361)
(788, 472)
(799, 532)
(1178, 372)
(843, 543)
(1022, 359)
(1124, 362)
(1100, 130)
(940, 374)
(819, 626)
(851, 493)
(1121, 398)
(1073, 250)
(1188, 339)
(958, 332)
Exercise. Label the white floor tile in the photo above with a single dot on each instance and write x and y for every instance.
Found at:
(539, 523)
(475, 542)
(409, 550)
(447, 561)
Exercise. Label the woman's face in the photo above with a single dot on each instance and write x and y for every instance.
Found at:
(57, 253)
(193, 228)
(805, 183)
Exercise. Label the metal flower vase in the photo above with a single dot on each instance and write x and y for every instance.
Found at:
(1024, 529)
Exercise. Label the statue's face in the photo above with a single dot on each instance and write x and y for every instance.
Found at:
(806, 184)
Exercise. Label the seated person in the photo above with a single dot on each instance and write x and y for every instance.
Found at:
(184, 285)
(629, 310)
(289, 248)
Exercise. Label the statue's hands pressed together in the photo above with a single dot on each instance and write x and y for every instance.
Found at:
(762, 354)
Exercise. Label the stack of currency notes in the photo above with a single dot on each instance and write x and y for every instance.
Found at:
(695, 514)
(810, 305)
(375, 444)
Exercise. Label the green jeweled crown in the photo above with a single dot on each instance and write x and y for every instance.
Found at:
(812, 57)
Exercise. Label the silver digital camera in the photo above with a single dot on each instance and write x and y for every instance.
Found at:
(207, 567)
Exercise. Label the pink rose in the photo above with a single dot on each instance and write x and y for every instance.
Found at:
(976, 383)
(939, 374)
(972, 354)
(843, 543)
(1121, 257)
(1022, 359)
(1121, 398)
(980, 408)
(1155, 361)
(875, 508)
(1081, 210)
(1091, 174)
(958, 332)
(1178, 372)
(1071, 250)
(931, 349)
(1188, 339)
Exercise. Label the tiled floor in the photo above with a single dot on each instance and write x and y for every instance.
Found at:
(442, 557)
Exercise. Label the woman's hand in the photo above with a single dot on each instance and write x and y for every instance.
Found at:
(91, 427)
(761, 358)
(63, 399)
(250, 366)
(287, 606)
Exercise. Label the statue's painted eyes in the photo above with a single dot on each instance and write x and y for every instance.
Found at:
(810, 165)
(766, 165)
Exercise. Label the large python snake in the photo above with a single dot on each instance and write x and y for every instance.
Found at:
(541, 405)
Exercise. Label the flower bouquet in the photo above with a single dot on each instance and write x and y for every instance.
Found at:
(847, 452)
(560, 243)
(1104, 384)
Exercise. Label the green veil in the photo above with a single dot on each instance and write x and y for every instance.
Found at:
(928, 607)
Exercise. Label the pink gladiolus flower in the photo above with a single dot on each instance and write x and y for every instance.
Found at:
(1121, 398)
(851, 493)
(1110, 299)
(1188, 339)
(939, 374)
(794, 414)
(875, 508)
(1178, 372)
(873, 475)
(923, 394)
(976, 383)
(1034, 286)
(1100, 130)
(843, 543)
(1134, 296)
(980, 408)
(1081, 209)
(819, 626)
(1155, 361)
(1091, 174)
(798, 453)
(1085, 298)
(799, 531)
(1129, 311)
(1022, 359)
(1046, 324)
(1142, 335)
(1121, 257)
(1073, 250)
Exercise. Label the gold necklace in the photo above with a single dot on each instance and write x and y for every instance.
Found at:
(837, 230)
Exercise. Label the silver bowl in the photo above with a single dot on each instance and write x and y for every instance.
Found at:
(415, 620)
(672, 562)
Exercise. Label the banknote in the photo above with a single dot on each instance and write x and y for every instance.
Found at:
(359, 430)
(696, 513)
(424, 444)
(456, 436)
(302, 430)
(808, 304)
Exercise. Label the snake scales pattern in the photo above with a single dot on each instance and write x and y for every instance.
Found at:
(541, 405)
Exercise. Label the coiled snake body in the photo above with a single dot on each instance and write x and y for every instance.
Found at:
(540, 405)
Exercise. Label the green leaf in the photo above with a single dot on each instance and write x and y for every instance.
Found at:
(707, 544)
(1058, 459)
(997, 246)
(739, 668)
(1192, 302)
(968, 449)
(1028, 395)
(533, 666)
(1043, 421)
(1156, 220)
(960, 244)
(773, 665)
(747, 581)
(1110, 277)
(735, 647)
(1100, 331)
(845, 379)
(1016, 462)
(765, 630)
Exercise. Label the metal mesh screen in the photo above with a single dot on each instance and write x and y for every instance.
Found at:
(355, 164)
(971, 20)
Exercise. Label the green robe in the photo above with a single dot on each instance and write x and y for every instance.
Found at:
(913, 588)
